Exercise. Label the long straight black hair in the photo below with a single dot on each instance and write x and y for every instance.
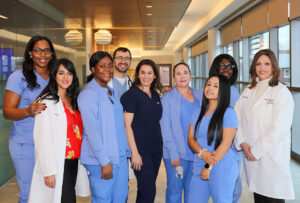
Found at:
(28, 68)
(214, 68)
(216, 122)
(51, 90)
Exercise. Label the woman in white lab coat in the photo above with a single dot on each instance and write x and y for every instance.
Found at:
(265, 113)
(57, 137)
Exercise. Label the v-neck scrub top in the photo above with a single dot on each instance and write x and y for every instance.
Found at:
(147, 114)
(22, 130)
(229, 121)
(186, 110)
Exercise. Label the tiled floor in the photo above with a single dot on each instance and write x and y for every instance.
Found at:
(8, 193)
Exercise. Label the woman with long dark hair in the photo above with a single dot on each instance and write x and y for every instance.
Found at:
(225, 65)
(143, 111)
(178, 106)
(211, 134)
(265, 113)
(21, 105)
(104, 147)
(57, 138)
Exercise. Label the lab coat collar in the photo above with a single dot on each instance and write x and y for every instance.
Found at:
(263, 82)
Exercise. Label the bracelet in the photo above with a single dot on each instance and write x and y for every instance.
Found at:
(200, 153)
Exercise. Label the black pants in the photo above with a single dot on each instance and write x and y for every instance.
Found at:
(263, 199)
(146, 177)
(70, 175)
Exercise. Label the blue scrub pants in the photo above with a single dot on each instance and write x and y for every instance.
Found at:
(22, 155)
(220, 185)
(114, 190)
(175, 185)
(238, 185)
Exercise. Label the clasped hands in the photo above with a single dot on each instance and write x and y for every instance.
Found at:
(210, 158)
(247, 152)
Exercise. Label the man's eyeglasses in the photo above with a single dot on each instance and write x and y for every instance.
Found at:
(121, 58)
(39, 51)
(228, 66)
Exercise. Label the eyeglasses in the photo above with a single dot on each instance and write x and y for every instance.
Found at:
(228, 66)
(121, 58)
(39, 51)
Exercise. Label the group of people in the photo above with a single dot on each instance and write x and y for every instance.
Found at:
(203, 136)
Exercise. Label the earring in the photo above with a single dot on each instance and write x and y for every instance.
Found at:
(31, 57)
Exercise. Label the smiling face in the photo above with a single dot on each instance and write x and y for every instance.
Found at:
(103, 71)
(122, 61)
(41, 54)
(225, 68)
(182, 76)
(263, 67)
(146, 75)
(211, 90)
(64, 78)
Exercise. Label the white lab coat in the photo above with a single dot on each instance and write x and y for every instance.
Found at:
(265, 125)
(50, 135)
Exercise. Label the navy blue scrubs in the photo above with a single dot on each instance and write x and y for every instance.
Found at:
(147, 133)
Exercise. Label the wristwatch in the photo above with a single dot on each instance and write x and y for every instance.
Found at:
(207, 166)
(200, 153)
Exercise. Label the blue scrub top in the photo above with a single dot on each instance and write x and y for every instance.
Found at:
(229, 121)
(186, 110)
(22, 130)
(147, 114)
(119, 89)
(120, 128)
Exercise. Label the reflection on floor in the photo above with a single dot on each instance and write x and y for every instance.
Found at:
(6, 165)
(8, 193)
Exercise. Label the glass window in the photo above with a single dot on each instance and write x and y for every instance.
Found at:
(199, 69)
(258, 42)
(284, 54)
(228, 49)
(240, 62)
(15, 32)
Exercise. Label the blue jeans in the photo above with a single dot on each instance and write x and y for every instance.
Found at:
(22, 155)
(114, 190)
(176, 186)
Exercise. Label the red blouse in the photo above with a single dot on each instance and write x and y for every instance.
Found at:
(74, 134)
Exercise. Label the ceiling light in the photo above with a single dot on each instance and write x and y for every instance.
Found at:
(73, 37)
(149, 6)
(149, 14)
(103, 37)
(4, 17)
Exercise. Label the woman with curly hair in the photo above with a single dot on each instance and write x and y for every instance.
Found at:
(21, 105)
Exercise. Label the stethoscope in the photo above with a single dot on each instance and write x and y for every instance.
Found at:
(129, 81)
